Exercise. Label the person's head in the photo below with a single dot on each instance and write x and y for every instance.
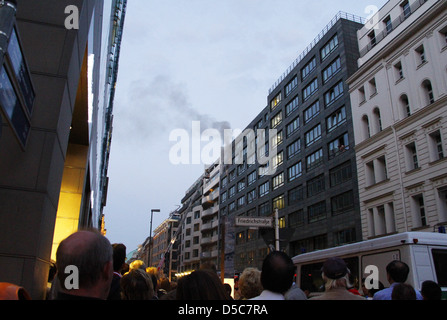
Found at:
(403, 291)
(201, 285)
(335, 274)
(372, 291)
(137, 264)
(165, 284)
(250, 283)
(430, 290)
(153, 273)
(91, 253)
(119, 256)
(136, 285)
(277, 272)
(397, 271)
(228, 289)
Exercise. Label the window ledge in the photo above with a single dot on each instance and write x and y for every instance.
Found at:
(421, 228)
(422, 64)
(437, 161)
(400, 80)
(377, 184)
(413, 170)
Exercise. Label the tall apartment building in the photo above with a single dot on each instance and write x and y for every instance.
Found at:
(190, 235)
(163, 235)
(210, 215)
(314, 185)
(399, 111)
(55, 142)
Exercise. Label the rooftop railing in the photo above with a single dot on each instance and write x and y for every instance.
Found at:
(338, 16)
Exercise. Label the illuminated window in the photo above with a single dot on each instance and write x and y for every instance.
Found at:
(278, 202)
(276, 120)
(275, 102)
(278, 181)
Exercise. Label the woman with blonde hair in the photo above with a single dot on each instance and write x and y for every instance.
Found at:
(250, 283)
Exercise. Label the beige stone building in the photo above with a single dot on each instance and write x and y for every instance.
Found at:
(399, 107)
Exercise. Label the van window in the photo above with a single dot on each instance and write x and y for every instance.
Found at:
(311, 275)
(440, 261)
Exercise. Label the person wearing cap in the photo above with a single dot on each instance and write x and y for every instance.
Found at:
(335, 274)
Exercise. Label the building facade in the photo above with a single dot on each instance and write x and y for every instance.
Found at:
(53, 180)
(210, 215)
(398, 99)
(313, 182)
(163, 236)
(190, 235)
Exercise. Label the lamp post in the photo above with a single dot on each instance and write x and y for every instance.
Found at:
(150, 237)
(277, 230)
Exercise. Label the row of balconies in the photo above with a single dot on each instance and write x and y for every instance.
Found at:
(211, 198)
(210, 211)
(209, 239)
(210, 225)
(209, 254)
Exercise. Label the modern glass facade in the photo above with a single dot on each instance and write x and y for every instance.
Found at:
(56, 182)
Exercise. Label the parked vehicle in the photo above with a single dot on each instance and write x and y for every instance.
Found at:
(424, 252)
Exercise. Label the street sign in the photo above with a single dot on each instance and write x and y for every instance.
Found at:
(254, 222)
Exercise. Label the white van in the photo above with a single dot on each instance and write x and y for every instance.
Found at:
(424, 252)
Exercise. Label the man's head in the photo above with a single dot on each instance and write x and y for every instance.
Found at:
(335, 274)
(91, 253)
(119, 256)
(277, 272)
(397, 271)
(335, 268)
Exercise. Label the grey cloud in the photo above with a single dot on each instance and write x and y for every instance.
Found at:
(150, 110)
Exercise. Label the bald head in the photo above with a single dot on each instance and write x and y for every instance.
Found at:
(89, 252)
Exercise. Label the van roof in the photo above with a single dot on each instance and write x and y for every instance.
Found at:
(427, 238)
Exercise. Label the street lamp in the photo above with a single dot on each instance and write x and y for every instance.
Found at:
(150, 237)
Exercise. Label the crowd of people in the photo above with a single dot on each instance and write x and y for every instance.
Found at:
(104, 275)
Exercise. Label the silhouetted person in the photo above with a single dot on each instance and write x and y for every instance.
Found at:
(335, 274)
(277, 275)
(137, 285)
(397, 272)
(119, 259)
(403, 291)
(91, 254)
(201, 285)
(430, 290)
